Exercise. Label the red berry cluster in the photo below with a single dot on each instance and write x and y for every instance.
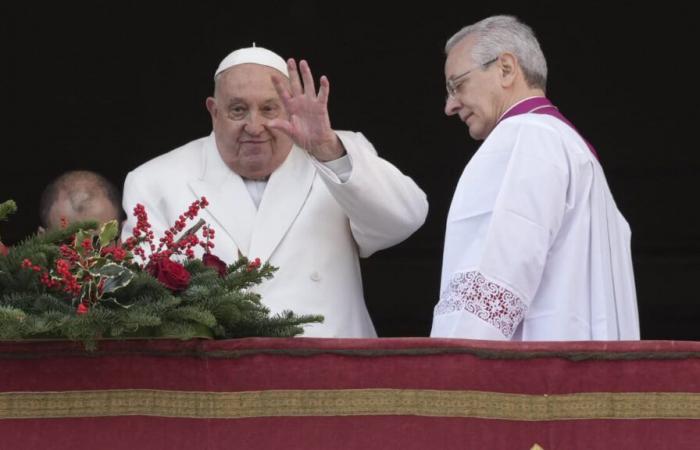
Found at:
(117, 253)
(253, 265)
(168, 245)
(74, 269)
(65, 280)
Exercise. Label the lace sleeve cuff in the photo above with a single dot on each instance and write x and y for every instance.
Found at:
(487, 300)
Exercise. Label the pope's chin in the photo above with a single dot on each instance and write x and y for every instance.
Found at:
(254, 154)
(255, 167)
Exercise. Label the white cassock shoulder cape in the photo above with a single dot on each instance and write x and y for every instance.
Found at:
(535, 247)
(309, 224)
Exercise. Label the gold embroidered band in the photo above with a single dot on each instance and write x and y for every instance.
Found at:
(350, 402)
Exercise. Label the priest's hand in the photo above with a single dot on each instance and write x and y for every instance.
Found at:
(308, 125)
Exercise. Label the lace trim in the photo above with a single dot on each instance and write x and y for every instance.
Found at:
(489, 301)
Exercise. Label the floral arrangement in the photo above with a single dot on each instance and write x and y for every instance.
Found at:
(81, 283)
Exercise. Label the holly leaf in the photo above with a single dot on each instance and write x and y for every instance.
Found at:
(86, 291)
(108, 270)
(80, 237)
(108, 232)
(116, 276)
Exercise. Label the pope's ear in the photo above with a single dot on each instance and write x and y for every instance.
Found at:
(211, 106)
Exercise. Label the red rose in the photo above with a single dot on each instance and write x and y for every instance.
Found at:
(3, 249)
(215, 263)
(171, 274)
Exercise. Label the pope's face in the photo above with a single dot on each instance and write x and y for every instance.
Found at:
(477, 96)
(245, 100)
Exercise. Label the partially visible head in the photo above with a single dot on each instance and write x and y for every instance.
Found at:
(79, 195)
(244, 101)
(491, 65)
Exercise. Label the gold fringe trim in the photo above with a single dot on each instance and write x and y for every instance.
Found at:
(350, 402)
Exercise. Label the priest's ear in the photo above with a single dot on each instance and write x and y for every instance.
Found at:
(508, 68)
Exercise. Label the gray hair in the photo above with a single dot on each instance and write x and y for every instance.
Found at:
(499, 34)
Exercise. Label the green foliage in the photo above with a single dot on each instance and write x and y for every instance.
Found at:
(108, 232)
(135, 304)
(6, 208)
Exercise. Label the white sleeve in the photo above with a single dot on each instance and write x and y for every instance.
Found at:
(476, 307)
(463, 324)
(528, 212)
(489, 286)
(341, 167)
(384, 206)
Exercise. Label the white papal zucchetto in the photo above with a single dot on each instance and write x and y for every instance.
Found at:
(253, 55)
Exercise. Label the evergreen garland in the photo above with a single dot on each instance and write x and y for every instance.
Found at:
(216, 303)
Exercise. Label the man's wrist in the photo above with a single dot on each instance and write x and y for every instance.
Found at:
(331, 151)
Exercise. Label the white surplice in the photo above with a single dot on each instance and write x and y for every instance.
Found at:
(310, 223)
(535, 247)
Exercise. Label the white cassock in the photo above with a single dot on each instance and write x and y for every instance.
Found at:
(535, 247)
(309, 223)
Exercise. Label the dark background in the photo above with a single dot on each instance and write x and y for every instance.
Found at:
(108, 86)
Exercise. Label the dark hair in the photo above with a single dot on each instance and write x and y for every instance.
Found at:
(92, 183)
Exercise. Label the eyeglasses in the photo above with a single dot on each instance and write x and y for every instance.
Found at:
(453, 83)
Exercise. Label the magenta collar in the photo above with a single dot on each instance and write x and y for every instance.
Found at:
(542, 105)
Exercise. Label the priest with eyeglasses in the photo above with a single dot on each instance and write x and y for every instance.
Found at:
(535, 246)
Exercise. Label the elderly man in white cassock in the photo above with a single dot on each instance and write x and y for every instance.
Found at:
(535, 247)
(285, 187)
